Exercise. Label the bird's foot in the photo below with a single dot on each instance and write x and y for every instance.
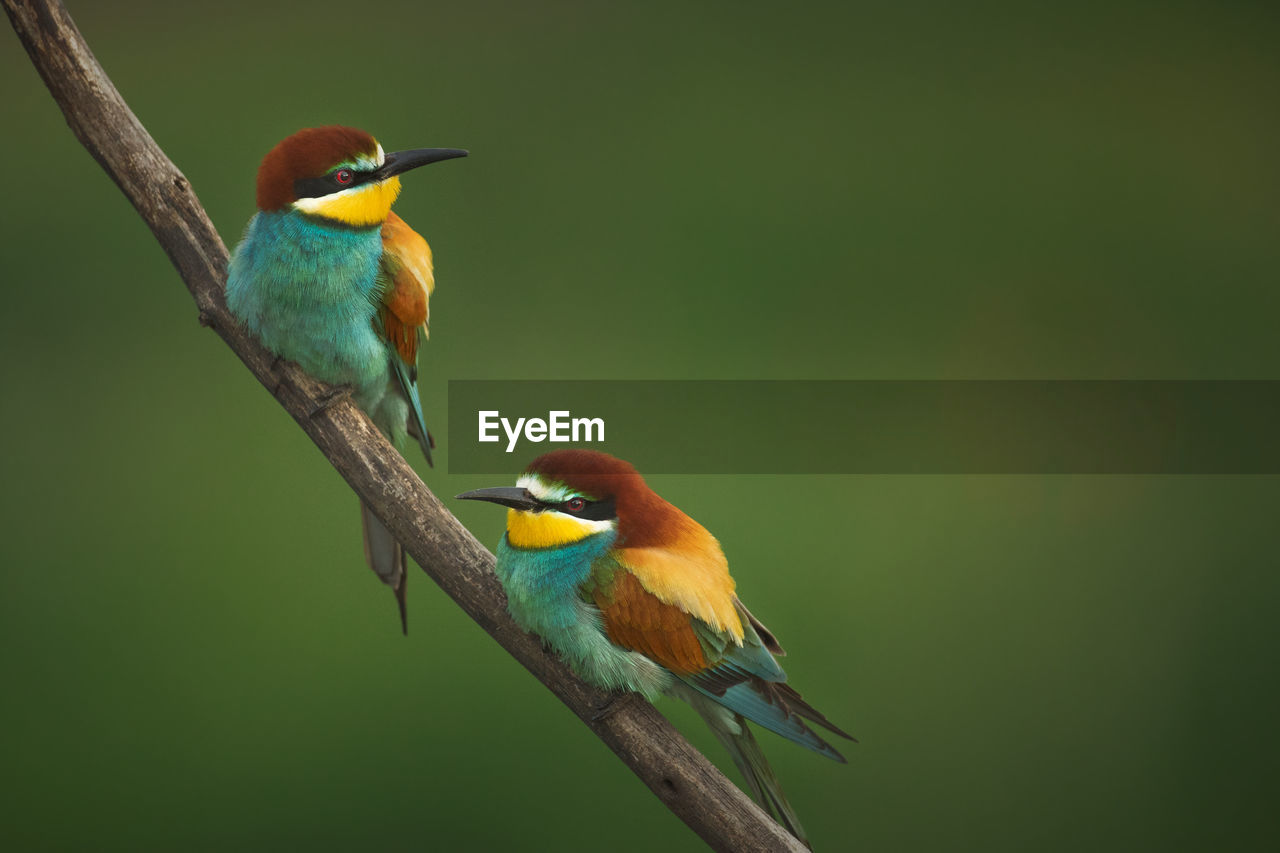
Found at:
(275, 367)
(615, 703)
(329, 399)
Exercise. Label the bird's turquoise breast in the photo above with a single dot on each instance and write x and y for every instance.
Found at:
(543, 596)
(309, 292)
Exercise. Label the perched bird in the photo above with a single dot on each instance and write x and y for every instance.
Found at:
(635, 595)
(327, 276)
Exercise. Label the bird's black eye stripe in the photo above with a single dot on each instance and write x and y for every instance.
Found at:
(589, 509)
(329, 184)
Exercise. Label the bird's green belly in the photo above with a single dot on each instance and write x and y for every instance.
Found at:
(343, 352)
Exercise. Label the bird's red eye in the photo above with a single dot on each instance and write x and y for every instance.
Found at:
(343, 176)
(575, 504)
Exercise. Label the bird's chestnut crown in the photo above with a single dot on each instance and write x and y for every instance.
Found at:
(315, 162)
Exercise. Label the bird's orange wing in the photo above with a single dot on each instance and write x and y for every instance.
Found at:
(403, 314)
(636, 619)
(691, 574)
(406, 264)
(658, 600)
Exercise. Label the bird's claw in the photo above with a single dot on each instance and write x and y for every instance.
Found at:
(329, 399)
(275, 365)
(613, 705)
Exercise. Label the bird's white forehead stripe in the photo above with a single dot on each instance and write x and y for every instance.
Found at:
(551, 492)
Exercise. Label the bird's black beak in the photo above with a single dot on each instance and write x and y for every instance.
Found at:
(510, 496)
(399, 162)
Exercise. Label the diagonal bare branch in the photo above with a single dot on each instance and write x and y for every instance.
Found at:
(679, 775)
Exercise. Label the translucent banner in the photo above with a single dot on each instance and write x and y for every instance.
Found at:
(873, 427)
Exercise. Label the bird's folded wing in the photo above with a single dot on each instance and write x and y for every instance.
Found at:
(693, 577)
(404, 312)
(739, 674)
(636, 619)
(406, 265)
(776, 707)
(747, 680)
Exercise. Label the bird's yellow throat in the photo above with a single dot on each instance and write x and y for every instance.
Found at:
(361, 207)
(545, 529)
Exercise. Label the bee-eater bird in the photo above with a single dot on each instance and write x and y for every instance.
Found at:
(328, 277)
(635, 595)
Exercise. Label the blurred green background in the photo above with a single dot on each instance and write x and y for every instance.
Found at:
(195, 656)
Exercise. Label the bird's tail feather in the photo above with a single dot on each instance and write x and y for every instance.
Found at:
(731, 730)
(386, 557)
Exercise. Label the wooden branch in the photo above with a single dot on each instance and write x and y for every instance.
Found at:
(688, 784)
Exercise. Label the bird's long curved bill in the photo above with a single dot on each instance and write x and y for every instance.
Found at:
(399, 162)
(509, 496)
